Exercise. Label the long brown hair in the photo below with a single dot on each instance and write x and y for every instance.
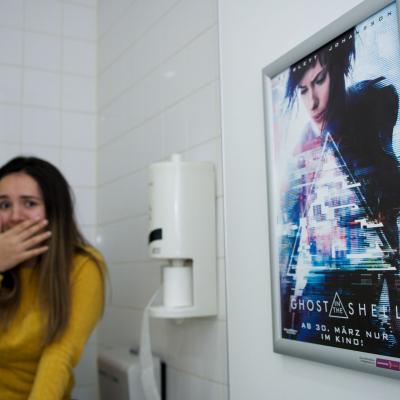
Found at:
(54, 266)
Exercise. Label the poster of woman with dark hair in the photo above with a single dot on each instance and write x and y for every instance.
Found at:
(336, 141)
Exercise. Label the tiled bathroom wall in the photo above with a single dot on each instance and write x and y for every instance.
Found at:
(158, 94)
(48, 106)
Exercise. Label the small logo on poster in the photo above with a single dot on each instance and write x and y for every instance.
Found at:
(387, 364)
(337, 309)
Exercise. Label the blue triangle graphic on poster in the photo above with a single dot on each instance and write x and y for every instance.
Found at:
(336, 229)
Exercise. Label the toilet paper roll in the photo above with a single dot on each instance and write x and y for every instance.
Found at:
(177, 286)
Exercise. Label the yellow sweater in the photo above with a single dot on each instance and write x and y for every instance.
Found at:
(26, 370)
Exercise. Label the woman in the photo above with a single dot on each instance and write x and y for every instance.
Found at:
(52, 283)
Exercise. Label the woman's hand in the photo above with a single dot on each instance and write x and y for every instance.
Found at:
(22, 242)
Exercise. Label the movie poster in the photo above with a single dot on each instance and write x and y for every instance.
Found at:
(336, 146)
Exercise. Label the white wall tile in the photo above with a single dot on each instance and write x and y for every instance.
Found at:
(160, 331)
(192, 121)
(10, 123)
(86, 372)
(115, 41)
(132, 151)
(190, 69)
(79, 57)
(41, 126)
(115, 119)
(176, 127)
(203, 115)
(149, 142)
(117, 158)
(8, 151)
(10, 45)
(79, 22)
(89, 232)
(12, 13)
(146, 99)
(132, 199)
(183, 386)
(10, 84)
(85, 205)
(187, 20)
(210, 151)
(135, 284)
(111, 12)
(42, 88)
(117, 79)
(42, 51)
(78, 93)
(79, 167)
(127, 320)
(51, 154)
(43, 16)
(134, 23)
(125, 241)
(199, 347)
(79, 130)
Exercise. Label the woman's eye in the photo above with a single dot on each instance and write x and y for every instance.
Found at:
(303, 90)
(320, 79)
(4, 205)
(30, 204)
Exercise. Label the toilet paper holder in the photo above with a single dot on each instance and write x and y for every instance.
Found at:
(182, 231)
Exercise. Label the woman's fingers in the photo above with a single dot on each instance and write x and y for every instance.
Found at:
(17, 229)
(37, 251)
(35, 240)
(31, 229)
(22, 227)
(22, 242)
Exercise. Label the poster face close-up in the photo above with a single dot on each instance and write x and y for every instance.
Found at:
(334, 144)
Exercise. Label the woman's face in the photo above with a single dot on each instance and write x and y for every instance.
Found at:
(20, 199)
(314, 91)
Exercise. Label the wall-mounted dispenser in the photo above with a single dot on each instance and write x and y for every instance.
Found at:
(182, 231)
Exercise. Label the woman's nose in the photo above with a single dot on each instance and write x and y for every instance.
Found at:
(16, 214)
(314, 100)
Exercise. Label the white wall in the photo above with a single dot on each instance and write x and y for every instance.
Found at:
(158, 94)
(48, 106)
(253, 34)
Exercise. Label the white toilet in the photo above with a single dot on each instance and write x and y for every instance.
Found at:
(119, 375)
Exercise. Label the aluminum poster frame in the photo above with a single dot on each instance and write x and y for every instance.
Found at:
(360, 360)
